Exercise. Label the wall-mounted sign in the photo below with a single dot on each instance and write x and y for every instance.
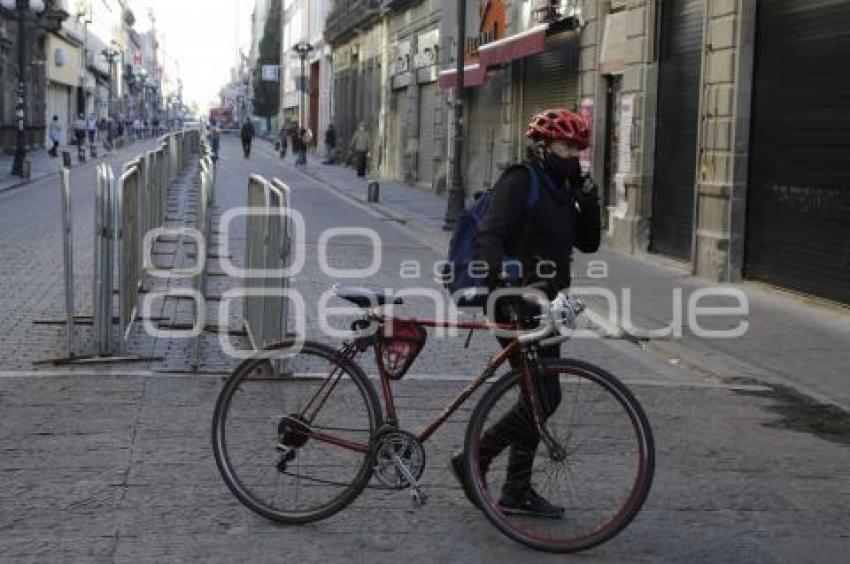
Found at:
(427, 48)
(271, 73)
(401, 58)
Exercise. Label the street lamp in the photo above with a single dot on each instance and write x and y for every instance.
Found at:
(456, 200)
(143, 75)
(303, 50)
(22, 9)
(110, 54)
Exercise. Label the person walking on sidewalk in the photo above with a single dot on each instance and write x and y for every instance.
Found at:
(360, 143)
(541, 233)
(282, 138)
(330, 142)
(91, 128)
(55, 133)
(80, 130)
(247, 134)
(215, 140)
(299, 147)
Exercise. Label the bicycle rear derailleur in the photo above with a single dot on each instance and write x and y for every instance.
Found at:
(399, 461)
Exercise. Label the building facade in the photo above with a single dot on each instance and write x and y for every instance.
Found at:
(719, 126)
(303, 22)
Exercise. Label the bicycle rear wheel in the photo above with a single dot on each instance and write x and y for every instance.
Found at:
(263, 435)
(600, 484)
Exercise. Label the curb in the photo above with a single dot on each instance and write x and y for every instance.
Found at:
(55, 174)
(30, 180)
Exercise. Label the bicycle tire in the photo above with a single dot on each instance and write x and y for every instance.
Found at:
(220, 444)
(632, 504)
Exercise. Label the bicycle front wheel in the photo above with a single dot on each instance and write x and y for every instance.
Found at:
(591, 492)
(265, 427)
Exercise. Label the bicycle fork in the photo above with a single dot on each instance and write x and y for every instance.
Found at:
(556, 451)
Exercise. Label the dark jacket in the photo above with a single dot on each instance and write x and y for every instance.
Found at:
(548, 231)
(248, 131)
(330, 137)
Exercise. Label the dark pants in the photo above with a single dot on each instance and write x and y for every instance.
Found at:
(92, 133)
(360, 158)
(246, 147)
(54, 150)
(515, 429)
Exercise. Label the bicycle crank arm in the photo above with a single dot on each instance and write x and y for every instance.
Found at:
(419, 496)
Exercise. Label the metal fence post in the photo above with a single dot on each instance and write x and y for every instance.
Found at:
(103, 260)
(68, 253)
(129, 247)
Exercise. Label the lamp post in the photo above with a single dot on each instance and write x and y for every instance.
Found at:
(143, 80)
(110, 54)
(22, 9)
(455, 202)
(303, 49)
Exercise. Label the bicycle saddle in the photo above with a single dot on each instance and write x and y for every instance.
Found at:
(364, 297)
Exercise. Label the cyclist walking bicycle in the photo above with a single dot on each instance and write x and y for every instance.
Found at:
(541, 236)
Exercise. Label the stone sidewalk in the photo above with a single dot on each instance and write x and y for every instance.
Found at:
(791, 340)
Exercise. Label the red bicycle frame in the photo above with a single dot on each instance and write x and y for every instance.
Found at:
(351, 349)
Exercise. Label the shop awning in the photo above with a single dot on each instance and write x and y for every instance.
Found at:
(513, 47)
(473, 75)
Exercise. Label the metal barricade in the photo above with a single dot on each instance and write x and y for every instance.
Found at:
(278, 254)
(204, 225)
(104, 242)
(268, 242)
(68, 254)
(129, 245)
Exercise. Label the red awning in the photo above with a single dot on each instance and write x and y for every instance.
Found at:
(513, 47)
(473, 75)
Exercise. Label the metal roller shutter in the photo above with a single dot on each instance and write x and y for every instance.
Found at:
(798, 199)
(550, 78)
(428, 98)
(680, 60)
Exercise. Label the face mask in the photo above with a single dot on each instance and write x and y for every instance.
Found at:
(564, 168)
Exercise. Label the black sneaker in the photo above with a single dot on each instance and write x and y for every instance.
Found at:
(456, 463)
(531, 504)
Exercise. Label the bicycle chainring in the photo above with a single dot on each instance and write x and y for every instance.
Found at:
(394, 442)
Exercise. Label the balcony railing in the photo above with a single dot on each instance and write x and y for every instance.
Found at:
(348, 17)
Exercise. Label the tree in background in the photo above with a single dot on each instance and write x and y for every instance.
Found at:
(267, 93)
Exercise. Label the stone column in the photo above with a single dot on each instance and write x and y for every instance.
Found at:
(724, 139)
(631, 233)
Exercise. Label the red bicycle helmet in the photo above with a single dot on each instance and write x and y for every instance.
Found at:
(559, 125)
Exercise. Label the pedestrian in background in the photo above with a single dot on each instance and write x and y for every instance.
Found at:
(55, 133)
(91, 127)
(215, 140)
(282, 139)
(360, 144)
(80, 130)
(247, 134)
(330, 141)
(299, 147)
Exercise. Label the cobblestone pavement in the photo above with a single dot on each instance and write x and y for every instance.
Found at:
(115, 464)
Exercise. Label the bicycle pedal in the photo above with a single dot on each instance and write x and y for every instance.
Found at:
(420, 498)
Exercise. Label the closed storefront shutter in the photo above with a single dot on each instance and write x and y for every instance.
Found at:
(680, 60)
(428, 100)
(798, 199)
(550, 78)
